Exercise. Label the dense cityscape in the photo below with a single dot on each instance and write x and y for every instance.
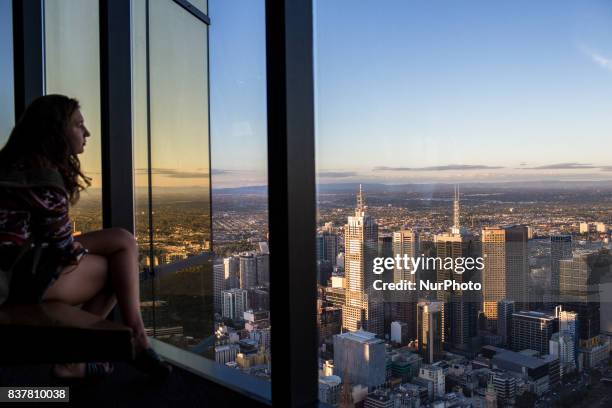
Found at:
(536, 335)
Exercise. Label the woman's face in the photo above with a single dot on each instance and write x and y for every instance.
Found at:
(77, 132)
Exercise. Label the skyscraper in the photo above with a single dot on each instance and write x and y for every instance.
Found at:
(429, 330)
(364, 306)
(505, 310)
(254, 269)
(532, 330)
(579, 280)
(327, 247)
(460, 310)
(506, 268)
(405, 243)
(231, 269)
(560, 248)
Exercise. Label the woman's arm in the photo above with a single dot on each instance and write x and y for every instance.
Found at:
(51, 223)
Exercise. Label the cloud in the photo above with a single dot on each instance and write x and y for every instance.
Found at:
(606, 168)
(604, 62)
(562, 166)
(439, 168)
(336, 174)
(173, 173)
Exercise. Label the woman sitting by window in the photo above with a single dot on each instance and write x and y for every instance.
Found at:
(40, 176)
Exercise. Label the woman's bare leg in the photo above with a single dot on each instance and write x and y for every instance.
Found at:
(119, 247)
(85, 284)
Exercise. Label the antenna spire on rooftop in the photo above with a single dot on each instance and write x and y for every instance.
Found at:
(360, 201)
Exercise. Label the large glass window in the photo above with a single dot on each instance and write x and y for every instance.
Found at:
(72, 68)
(172, 174)
(474, 139)
(7, 87)
(209, 294)
(240, 198)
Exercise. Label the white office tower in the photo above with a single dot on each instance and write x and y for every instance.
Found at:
(561, 346)
(435, 374)
(363, 308)
(225, 276)
(360, 356)
(234, 303)
(400, 333)
(231, 272)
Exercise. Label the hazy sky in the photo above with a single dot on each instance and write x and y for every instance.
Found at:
(410, 91)
(406, 91)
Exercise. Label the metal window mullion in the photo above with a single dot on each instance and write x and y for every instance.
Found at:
(28, 52)
(291, 202)
(116, 114)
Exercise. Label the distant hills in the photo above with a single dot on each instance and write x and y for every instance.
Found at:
(429, 187)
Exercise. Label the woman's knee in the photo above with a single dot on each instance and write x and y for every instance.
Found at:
(123, 238)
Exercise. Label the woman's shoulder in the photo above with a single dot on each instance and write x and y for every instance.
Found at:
(30, 175)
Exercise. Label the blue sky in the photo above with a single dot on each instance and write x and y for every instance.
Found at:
(428, 90)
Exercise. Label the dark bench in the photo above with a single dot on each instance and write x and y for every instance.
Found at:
(55, 332)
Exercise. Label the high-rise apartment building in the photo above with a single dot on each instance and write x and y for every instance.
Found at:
(234, 303)
(505, 254)
(363, 306)
(532, 330)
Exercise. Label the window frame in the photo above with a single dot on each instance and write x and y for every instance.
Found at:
(291, 175)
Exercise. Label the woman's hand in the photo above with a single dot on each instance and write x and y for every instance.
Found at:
(77, 251)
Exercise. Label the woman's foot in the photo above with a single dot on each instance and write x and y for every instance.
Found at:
(82, 370)
(141, 341)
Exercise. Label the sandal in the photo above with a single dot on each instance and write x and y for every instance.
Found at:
(149, 362)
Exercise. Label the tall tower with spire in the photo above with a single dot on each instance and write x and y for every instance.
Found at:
(363, 308)
(460, 311)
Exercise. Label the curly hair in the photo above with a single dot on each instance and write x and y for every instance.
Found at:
(39, 140)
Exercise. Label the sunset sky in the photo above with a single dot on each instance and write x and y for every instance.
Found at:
(411, 91)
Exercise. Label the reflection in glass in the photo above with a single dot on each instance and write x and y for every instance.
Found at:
(7, 98)
(172, 177)
(72, 68)
(140, 152)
